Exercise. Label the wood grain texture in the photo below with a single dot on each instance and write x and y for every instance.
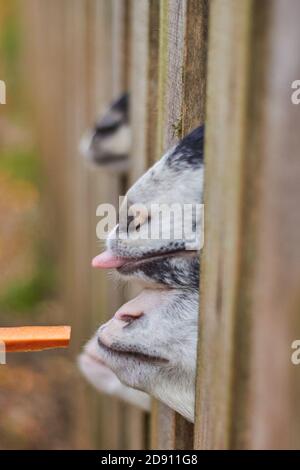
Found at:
(71, 81)
(195, 65)
(271, 262)
(143, 83)
(247, 386)
(132, 420)
(163, 429)
(139, 83)
(152, 77)
(226, 107)
(105, 297)
(181, 107)
(120, 59)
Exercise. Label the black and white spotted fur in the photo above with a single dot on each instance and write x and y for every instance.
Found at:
(177, 178)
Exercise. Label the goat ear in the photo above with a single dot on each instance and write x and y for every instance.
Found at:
(189, 152)
(122, 103)
(116, 114)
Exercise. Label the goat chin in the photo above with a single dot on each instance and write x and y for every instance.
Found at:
(105, 381)
(150, 345)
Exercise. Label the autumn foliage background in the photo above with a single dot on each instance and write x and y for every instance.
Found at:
(39, 398)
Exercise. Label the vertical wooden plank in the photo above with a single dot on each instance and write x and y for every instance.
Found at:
(110, 48)
(171, 53)
(103, 189)
(133, 422)
(120, 59)
(48, 98)
(269, 293)
(77, 248)
(143, 70)
(181, 107)
(163, 418)
(175, 16)
(227, 81)
(195, 65)
(68, 95)
(247, 387)
(57, 91)
(139, 83)
(152, 80)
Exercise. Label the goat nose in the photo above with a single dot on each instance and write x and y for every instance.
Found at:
(128, 317)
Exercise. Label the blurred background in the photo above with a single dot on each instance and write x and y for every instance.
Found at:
(37, 408)
(57, 80)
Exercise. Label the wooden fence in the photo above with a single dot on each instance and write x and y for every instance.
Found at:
(81, 54)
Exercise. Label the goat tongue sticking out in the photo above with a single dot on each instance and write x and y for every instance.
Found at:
(107, 260)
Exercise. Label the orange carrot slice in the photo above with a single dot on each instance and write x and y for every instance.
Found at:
(35, 338)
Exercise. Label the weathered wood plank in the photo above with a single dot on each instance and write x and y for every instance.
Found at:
(58, 123)
(227, 81)
(163, 418)
(152, 77)
(143, 84)
(81, 98)
(133, 420)
(100, 83)
(181, 107)
(247, 386)
(110, 45)
(269, 292)
(120, 59)
(139, 83)
(195, 65)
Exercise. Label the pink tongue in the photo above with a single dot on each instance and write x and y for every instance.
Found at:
(107, 260)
